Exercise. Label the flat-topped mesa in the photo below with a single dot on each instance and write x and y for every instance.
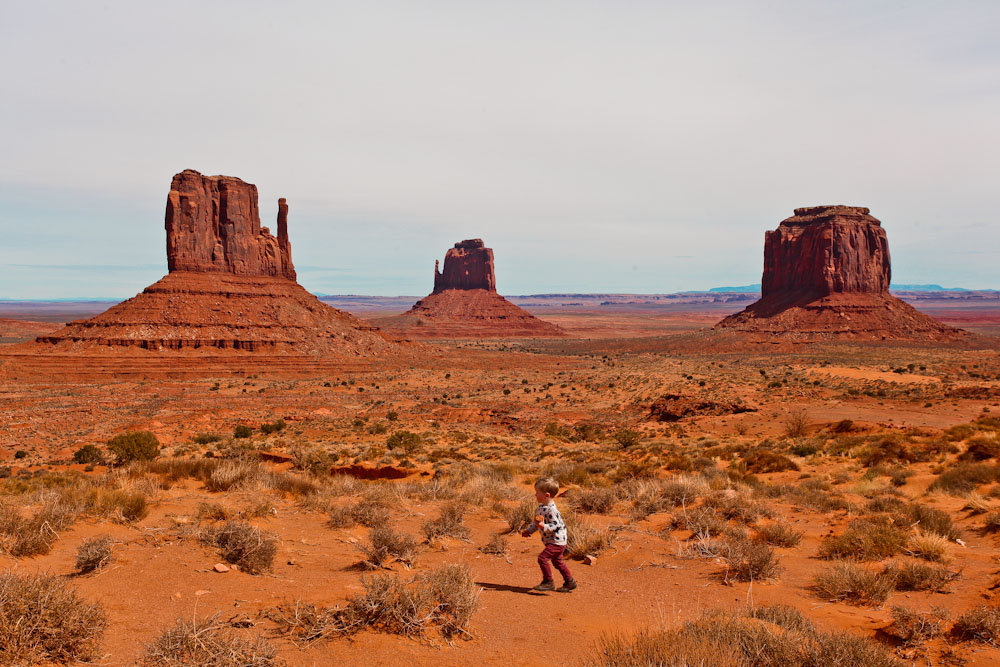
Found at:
(213, 225)
(822, 250)
(469, 265)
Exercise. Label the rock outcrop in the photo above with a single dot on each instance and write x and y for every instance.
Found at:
(827, 274)
(465, 303)
(468, 265)
(213, 225)
(231, 286)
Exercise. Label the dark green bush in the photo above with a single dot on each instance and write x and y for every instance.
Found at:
(134, 446)
(272, 427)
(88, 454)
(408, 441)
(242, 431)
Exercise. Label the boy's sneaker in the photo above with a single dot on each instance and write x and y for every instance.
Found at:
(567, 586)
(546, 585)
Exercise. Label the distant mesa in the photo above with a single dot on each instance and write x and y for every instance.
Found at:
(231, 285)
(827, 274)
(465, 303)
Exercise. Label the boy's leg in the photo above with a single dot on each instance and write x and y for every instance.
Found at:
(543, 562)
(557, 560)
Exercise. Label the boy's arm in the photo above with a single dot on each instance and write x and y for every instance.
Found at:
(548, 521)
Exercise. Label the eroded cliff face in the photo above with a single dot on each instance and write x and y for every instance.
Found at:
(213, 225)
(824, 250)
(468, 265)
(826, 275)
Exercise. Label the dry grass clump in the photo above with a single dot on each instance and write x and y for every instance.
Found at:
(246, 546)
(42, 619)
(977, 504)
(755, 637)
(520, 516)
(929, 519)
(368, 513)
(778, 535)
(34, 535)
(683, 489)
(846, 582)
(738, 506)
(991, 523)
(702, 521)
(869, 538)
(911, 576)
(385, 543)
(122, 506)
(445, 598)
(234, 474)
(594, 501)
(916, 627)
(760, 461)
(213, 511)
(928, 545)
(93, 554)
(749, 560)
(981, 624)
(208, 641)
(963, 478)
(583, 539)
(497, 546)
(448, 523)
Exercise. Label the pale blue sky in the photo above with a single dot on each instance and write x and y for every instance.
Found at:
(619, 146)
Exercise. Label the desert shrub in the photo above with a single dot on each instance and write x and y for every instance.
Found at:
(627, 438)
(497, 546)
(963, 478)
(796, 424)
(597, 501)
(751, 638)
(916, 627)
(889, 449)
(387, 605)
(740, 507)
(981, 624)
(122, 506)
(384, 543)
(928, 545)
(134, 446)
(749, 560)
(213, 511)
(231, 474)
(365, 513)
(447, 524)
(683, 489)
(843, 426)
(846, 582)
(977, 504)
(991, 523)
(34, 535)
(208, 641)
(980, 448)
(519, 517)
(88, 454)
(701, 521)
(869, 538)
(206, 438)
(919, 576)
(583, 538)
(246, 546)
(407, 441)
(760, 461)
(242, 431)
(778, 535)
(44, 620)
(556, 430)
(93, 554)
(455, 597)
(930, 519)
(268, 428)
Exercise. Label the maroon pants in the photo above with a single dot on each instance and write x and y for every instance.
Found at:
(554, 553)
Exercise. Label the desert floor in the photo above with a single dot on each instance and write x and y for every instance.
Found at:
(671, 451)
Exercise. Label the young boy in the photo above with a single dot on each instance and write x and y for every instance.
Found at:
(550, 523)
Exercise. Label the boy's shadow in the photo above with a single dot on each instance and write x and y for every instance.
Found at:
(524, 590)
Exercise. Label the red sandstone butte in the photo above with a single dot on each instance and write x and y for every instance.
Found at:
(827, 273)
(465, 303)
(468, 265)
(231, 286)
(213, 225)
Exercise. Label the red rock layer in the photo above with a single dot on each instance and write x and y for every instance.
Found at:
(458, 313)
(213, 225)
(210, 311)
(469, 265)
(826, 274)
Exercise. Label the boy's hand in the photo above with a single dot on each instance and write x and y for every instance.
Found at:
(538, 520)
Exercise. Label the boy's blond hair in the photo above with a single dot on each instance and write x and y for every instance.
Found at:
(547, 485)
